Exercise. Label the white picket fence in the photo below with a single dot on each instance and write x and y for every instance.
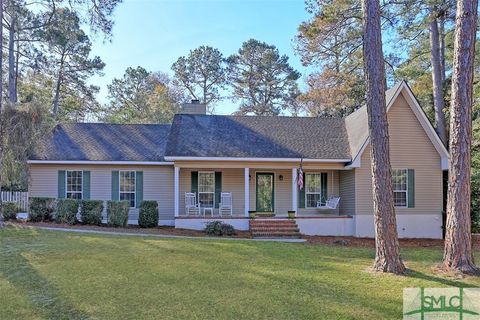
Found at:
(21, 198)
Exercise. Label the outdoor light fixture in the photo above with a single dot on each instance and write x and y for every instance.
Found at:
(280, 177)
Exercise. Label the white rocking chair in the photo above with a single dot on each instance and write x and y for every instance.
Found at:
(191, 204)
(331, 203)
(225, 206)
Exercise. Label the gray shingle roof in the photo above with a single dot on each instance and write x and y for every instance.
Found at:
(104, 142)
(211, 136)
(258, 137)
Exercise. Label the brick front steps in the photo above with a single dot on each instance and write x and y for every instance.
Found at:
(274, 228)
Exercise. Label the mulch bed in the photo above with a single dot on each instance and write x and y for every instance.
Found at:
(370, 243)
(161, 230)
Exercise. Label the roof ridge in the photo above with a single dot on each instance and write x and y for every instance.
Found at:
(115, 124)
(256, 116)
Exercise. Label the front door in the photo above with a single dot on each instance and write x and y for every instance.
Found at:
(264, 187)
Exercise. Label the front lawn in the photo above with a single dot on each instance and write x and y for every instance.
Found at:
(56, 275)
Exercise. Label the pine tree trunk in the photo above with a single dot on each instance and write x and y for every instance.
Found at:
(387, 249)
(438, 101)
(1, 116)
(458, 255)
(12, 95)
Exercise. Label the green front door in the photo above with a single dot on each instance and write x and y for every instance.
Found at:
(264, 187)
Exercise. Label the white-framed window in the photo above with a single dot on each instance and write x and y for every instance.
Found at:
(313, 189)
(74, 184)
(206, 189)
(127, 186)
(400, 187)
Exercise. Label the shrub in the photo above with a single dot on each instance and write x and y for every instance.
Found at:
(148, 217)
(40, 208)
(10, 210)
(218, 228)
(66, 211)
(91, 212)
(117, 213)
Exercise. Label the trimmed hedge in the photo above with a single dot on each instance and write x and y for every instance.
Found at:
(218, 228)
(66, 211)
(10, 210)
(40, 208)
(91, 212)
(148, 216)
(117, 213)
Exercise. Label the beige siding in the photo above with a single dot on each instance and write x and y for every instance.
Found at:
(347, 192)
(410, 148)
(157, 183)
(232, 181)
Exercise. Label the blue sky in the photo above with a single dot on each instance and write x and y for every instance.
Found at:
(154, 33)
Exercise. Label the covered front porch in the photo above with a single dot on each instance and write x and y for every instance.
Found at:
(261, 189)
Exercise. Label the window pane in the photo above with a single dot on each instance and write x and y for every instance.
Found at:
(312, 199)
(206, 199)
(400, 199)
(127, 187)
(129, 197)
(312, 182)
(74, 195)
(127, 181)
(74, 184)
(399, 180)
(206, 182)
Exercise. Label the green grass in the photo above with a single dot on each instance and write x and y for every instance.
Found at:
(56, 275)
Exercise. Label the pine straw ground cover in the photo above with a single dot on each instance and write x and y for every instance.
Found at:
(57, 275)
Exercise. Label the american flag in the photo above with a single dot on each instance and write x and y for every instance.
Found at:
(300, 178)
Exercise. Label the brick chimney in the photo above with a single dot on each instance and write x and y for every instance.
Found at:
(194, 107)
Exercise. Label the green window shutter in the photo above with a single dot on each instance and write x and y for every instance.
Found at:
(411, 188)
(138, 188)
(61, 184)
(218, 188)
(115, 186)
(194, 186)
(323, 185)
(86, 185)
(301, 194)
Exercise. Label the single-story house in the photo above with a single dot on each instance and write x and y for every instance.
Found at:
(256, 159)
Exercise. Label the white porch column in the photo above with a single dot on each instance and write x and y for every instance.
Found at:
(247, 191)
(176, 192)
(294, 190)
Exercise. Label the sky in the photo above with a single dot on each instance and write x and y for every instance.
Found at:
(154, 33)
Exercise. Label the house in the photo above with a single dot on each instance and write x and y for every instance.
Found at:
(257, 160)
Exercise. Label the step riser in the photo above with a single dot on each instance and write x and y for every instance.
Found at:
(273, 224)
(274, 229)
(275, 235)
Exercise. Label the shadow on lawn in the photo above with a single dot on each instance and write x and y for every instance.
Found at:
(445, 281)
(44, 296)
